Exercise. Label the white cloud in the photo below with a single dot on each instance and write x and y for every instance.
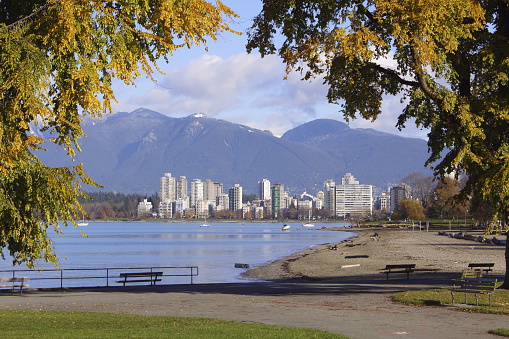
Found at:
(249, 90)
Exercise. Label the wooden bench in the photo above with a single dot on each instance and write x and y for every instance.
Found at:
(135, 277)
(476, 286)
(399, 268)
(15, 283)
(486, 267)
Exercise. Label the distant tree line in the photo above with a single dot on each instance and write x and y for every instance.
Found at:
(104, 205)
(432, 199)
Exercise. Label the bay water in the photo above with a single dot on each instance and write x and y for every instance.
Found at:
(214, 249)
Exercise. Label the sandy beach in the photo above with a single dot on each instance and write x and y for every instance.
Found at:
(363, 256)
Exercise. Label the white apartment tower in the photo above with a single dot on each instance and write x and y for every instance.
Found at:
(196, 191)
(181, 188)
(167, 185)
(235, 198)
(264, 189)
(208, 190)
(353, 198)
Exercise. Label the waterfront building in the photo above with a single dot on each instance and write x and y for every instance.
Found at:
(218, 189)
(180, 207)
(165, 209)
(209, 192)
(202, 208)
(399, 193)
(235, 198)
(144, 209)
(278, 198)
(181, 188)
(352, 198)
(384, 202)
(329, 196)
(320, 196)
(222, 202)
(167, 188)
(196, 191)
(265, 189)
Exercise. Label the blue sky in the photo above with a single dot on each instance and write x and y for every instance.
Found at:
(227, 83)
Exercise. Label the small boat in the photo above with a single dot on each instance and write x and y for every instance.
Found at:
(205, 224)
(308, 224)
(82, 223)
(285, 227)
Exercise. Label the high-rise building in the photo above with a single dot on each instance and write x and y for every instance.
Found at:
(264, 189)
(167, 188)
(277, 193)
(235, 198)
(399, 193)
(209, 190)
(196, 191)
(351, 198)
(181, 189)
(329, 197)
(218, 190)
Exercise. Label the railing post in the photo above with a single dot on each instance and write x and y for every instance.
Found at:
(61, 278)
(107, 277)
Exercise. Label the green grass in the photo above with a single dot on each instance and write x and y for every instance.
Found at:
(63, 324)
(504, 332)
(433, 297)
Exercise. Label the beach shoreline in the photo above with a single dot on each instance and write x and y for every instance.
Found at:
(363, 256)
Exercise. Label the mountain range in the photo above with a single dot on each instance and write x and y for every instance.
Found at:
(129, 152)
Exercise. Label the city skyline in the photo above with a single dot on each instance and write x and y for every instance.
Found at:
(338, 200)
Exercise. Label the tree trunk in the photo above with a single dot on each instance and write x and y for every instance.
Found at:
(505, 285)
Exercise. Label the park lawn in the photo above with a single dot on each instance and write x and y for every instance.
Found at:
(71, 324)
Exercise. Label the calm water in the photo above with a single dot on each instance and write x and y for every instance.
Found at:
(214, 249)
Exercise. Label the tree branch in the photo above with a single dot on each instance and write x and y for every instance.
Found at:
(393, 74)
(31, 17)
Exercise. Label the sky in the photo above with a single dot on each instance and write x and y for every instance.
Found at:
(227, 83)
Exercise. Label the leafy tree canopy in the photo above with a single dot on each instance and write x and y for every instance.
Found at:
(450, 66)
(58, 59)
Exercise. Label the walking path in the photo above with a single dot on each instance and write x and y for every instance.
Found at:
(357, 310)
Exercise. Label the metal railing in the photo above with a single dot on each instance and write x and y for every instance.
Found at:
(96, 277)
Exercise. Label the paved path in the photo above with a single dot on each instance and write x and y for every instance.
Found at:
(357, 310)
